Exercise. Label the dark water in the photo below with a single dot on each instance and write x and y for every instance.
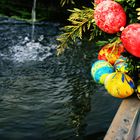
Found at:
(45, 97)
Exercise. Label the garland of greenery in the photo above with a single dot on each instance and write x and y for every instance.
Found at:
(82, 21)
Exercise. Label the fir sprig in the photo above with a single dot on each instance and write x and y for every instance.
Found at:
(111, 42)
(81, 21)
(63, 2)
(138, 14)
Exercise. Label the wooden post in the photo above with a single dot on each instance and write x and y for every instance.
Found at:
(124, 123)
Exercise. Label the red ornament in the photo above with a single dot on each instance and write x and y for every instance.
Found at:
(110, 53)
(109, 16)
(130, 38)
(99, 1)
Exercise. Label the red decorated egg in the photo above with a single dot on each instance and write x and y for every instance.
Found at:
(110, 53)
(131, 39)
(109, 16)
(99, 1)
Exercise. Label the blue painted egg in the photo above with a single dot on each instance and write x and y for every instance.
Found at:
(100, 69)
(121, 64)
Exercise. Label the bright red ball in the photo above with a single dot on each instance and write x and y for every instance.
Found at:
(109, 16)
(130, 38)
(99, 1)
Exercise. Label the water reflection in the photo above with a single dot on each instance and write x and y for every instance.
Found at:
(79, 105)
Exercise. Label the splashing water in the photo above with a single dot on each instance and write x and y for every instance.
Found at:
(16, 44)
(37, 97)
(33, 20)
(31, 51)
(23, 44)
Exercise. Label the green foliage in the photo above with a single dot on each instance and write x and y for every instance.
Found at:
(81, 20)
(63, 2)
(111, 42)
(131, 3)
(138, 14)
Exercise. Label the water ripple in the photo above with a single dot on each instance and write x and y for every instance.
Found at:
(43, 96)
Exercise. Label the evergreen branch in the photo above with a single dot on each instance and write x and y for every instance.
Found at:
(114, 42)
(138, 10)
(110, 42)
(81, 21)
(63, 2)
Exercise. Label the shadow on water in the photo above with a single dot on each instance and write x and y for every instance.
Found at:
(45, 97)
(96, 136)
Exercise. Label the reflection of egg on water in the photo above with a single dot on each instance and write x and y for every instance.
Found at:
(121, 64)
(119, 85)
(100, 69)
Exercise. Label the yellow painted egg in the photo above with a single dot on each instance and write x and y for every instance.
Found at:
(119, 85)
(100, 69)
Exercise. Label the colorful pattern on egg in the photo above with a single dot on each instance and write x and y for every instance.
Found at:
(111, 54)
(100, 69)
(109, 16)
(131, 39)
(121, 64)
(99, 1)
(119, 85)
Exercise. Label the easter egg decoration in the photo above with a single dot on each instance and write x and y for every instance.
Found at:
(138, 91)
(121, 64)
(119, 85)
(109, 16)
(110, 54)
(99, 1)
(130, 38)
(100, 69)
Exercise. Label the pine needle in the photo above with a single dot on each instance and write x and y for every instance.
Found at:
(81, 21)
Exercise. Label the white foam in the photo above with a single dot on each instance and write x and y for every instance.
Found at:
(31, 51)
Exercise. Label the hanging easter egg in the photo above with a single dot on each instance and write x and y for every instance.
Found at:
(130, 37)
(138, 91)
(119, 85)
(100, 69)
(121, 64)
(110, 54)
(99, 1)
(109, 16)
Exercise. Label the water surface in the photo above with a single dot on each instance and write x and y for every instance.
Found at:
(49, 97)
